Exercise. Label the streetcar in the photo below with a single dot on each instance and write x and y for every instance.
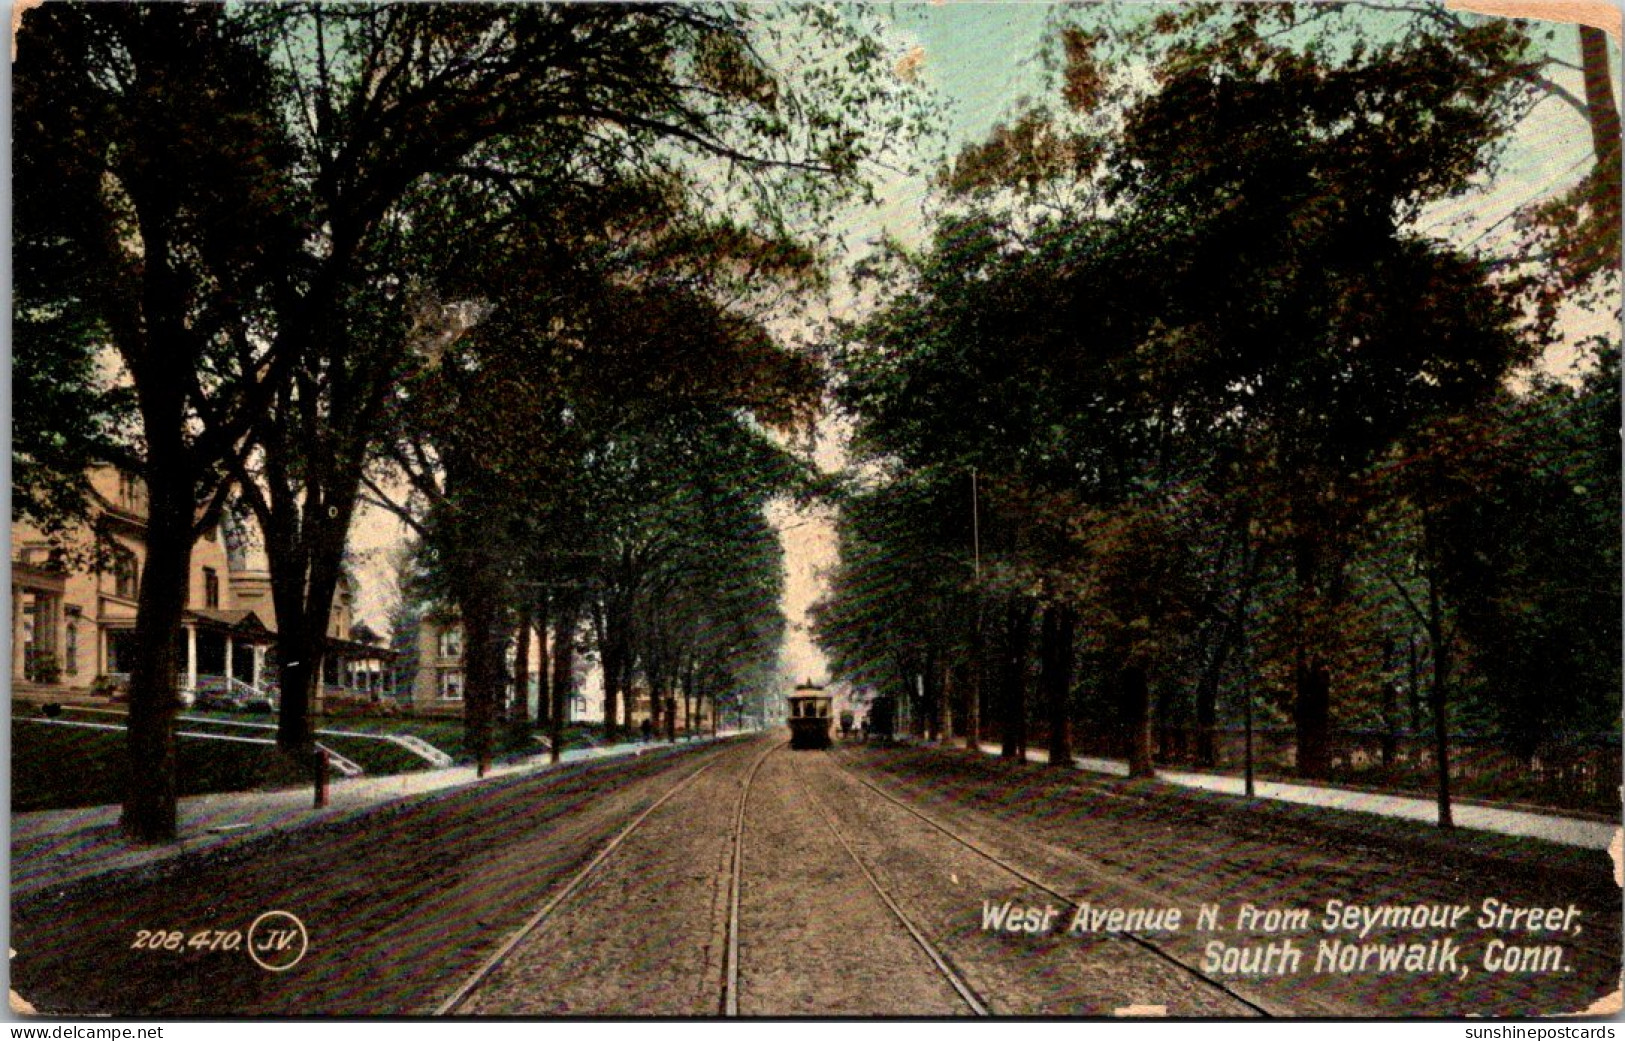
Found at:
(809, 717)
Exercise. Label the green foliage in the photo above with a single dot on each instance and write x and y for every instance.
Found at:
(587, 425)
(142, 130)
(903, 588)
(246, 196)
(65, 418)
(1184, 378)
(1533, 560)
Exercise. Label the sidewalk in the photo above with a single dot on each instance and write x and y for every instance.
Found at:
(1552, 827)
(55, 847)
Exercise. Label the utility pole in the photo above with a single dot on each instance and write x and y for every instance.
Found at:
(975, 530)
(973, 720)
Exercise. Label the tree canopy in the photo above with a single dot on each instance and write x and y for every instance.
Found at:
(246, 191)
(1180, 321)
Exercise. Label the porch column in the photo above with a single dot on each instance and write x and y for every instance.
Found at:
(231, 643)
(17, 645)
(191, 657)
(56, 630)
(259, 664)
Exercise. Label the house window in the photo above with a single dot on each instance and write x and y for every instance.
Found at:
(451, 643)
(132, 494)
(126, 581)
(120, 650)
(211, 587)
(451, 685)
(70, 648)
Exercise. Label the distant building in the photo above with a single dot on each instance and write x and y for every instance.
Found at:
(73, 609)
(439, 683)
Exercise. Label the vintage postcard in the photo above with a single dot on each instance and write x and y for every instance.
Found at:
(559, 510)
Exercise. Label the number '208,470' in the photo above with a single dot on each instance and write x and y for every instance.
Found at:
(177, 940)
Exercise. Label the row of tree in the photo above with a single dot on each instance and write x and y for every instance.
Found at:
(477, 245)
(1177, 401)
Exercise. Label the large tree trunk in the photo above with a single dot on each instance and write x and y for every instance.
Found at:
(1603, 115)
(519, 716)
(1438, 697)
(654, 677)
(1313, 677)
(977, 684)
(1312, 715)
(683, 679)
(1136, 706)
(1207, 715)
(480, 602)
(1055, 680)
(567, 614)
(612, 675)
(930, 699)
(611, 706)
(612, 695)
(302, 640)
(544, 660)
(628, 706)
(305, 538)
(299, 669)
(149, 811)
(610, 618)
(1013, 678)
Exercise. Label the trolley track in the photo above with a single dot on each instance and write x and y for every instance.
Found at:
(1252, 1002)
(729, 1004)
(563, 901)
(819, 930)
(581, 881)
(960, 985)
(1240, 858)
(730, 979)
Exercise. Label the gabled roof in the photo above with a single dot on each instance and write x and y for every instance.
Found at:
(355, 650)
(235, 621)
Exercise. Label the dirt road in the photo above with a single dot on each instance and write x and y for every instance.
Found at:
(865, 881)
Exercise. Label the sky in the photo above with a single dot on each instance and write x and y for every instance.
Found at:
(979, 60)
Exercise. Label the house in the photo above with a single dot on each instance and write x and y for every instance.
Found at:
(437, 687)
(438, 684)
(73, 607)
(369, 668)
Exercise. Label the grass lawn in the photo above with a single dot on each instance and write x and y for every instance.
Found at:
(55, 767)
(446, 734)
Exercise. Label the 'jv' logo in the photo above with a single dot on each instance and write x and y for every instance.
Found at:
(277, 941)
